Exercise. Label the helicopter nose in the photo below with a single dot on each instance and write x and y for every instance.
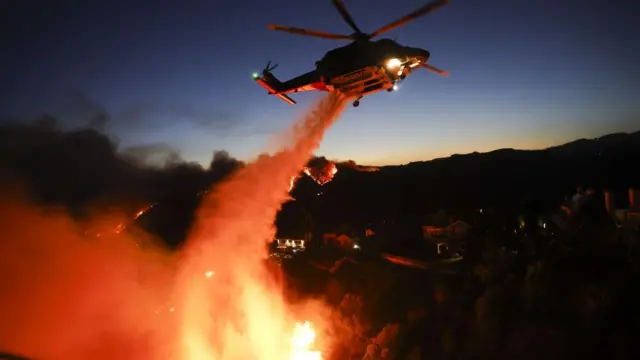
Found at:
(421, 54)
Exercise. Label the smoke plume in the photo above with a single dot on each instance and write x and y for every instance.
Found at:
(158, 154)
(80, 167)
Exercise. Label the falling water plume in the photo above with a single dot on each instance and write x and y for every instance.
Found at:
(239, 313)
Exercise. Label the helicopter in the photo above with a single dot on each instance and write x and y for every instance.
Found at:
(363, 67)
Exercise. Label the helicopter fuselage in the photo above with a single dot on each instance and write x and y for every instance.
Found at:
(364, 67)
(363, 53)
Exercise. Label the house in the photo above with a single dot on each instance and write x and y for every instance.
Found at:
(290, 243)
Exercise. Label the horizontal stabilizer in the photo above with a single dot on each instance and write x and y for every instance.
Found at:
(286, 99)
(273, 91)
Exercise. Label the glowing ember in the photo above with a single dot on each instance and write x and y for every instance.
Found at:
(123, 225)
(302, 343)
(142, 211)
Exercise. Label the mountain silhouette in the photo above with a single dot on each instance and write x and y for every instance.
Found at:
(505, 180)
(502, 179)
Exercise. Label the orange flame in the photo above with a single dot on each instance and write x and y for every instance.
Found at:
(302, 343)
(292, 182)
(123, 225)
(142, 211)
(322, 175)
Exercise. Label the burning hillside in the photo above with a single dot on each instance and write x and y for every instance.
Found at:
(77, 299)
(321, 170)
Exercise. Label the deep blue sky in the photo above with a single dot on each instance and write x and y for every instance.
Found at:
(524, 74)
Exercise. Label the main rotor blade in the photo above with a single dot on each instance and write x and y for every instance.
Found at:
(436, 70)
(345, 15)
(412, 16)
(320, 34)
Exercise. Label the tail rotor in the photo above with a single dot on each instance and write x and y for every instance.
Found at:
(269, 68)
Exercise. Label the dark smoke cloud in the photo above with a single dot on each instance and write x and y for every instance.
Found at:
(72, 166)
(158, 154)
(318, 162)
(77, 168)
(224, 162)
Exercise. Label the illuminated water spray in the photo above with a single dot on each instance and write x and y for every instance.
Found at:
(238, 313)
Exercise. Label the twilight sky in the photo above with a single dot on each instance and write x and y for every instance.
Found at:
(524, 74)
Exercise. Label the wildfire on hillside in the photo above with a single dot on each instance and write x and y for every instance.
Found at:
(108, 226)
(321, 170)
(121, 226)
(292, 182)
